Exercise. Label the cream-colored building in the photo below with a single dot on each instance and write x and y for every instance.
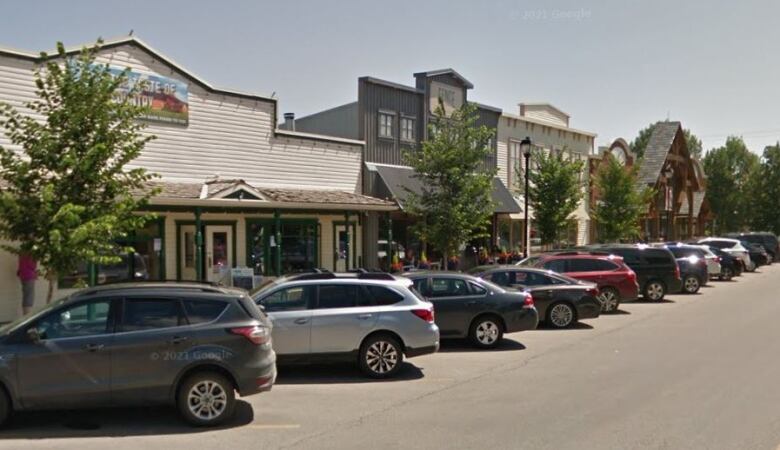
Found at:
(548, 128)
(236, 191)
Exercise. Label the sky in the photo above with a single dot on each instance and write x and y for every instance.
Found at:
(614, 66)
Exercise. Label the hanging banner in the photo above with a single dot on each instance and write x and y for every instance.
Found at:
(166, 98)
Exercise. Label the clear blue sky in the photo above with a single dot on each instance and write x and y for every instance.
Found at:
(614, 65)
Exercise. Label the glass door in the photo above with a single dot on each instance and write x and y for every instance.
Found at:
(343, 246)
(219, 252)
(187, 259)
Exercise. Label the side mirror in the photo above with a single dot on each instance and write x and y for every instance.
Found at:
(34, 335)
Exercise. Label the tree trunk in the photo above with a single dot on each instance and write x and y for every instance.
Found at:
(52, 278)
(446, 259)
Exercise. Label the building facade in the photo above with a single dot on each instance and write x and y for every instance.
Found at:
(235, 190)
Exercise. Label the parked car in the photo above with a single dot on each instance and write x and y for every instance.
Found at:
(656, 268)
(734, 247)
(373, 319)
(693, 266)
(757, 252)
(767, 239)
(189, 345)
(730, 266)
(473, 308)
(714, 268)
(560, 300)
(615, 280)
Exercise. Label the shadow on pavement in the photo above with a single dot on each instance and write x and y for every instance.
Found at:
(111, 422)
(618, 312)
(464, 346)
(576, 326)
(642, 301)
(339, 374)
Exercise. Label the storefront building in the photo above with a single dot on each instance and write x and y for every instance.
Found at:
(391, 119)
(235, 191)
(549, 131)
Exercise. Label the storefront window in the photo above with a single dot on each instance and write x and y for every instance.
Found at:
(504, 243)
(298, 246)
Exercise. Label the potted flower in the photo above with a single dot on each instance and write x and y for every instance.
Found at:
(424, 264)
(453, 263)
(396, 266)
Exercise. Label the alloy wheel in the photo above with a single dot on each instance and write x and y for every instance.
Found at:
(381, 357)
(691, 285)
(207, 400)
(655, 291)
(487, 332)
(608, 299)
(561, 315)
(727, 274)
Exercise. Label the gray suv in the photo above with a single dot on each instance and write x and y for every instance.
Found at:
(188, 345)
(371, 318)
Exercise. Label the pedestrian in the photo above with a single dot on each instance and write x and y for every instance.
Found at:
(27, 273)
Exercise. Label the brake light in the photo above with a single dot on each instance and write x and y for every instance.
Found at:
(631, 275)
(424, 314)
(593, 291)
(677, 271)
(256, 335)
(528, 303)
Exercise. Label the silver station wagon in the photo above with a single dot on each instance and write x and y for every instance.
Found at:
(374, 319)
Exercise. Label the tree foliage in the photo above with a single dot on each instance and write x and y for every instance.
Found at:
(554, 192)
(729, 169)
(620, 203)
(764, 192)
(455, 204)
(67, 194)
(639, 144)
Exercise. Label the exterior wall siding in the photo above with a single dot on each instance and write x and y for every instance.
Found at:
(341, 121)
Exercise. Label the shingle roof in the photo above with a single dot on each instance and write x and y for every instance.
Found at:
(658, 147)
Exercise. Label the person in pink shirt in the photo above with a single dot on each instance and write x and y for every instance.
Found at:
(27, 273)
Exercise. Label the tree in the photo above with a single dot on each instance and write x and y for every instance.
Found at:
(455, 204)
(639, 144)
(621, 203)
(67, 195)
(554, 192)
(764, 191)
(729, 170)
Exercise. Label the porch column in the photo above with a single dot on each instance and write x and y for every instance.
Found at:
(278, 242)
(389, 242)
(198, 246)
(690, 213)
(349, 241)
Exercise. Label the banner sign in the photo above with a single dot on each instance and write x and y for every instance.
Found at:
(165, 98)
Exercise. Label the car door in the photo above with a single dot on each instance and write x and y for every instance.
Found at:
(151, 347)
(289, 309)
(71, 363)
(453, 305)
(539, 286)
(342, 316)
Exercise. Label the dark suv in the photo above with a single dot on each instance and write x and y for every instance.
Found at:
(767, 240)
(656, 268)
(188, 345)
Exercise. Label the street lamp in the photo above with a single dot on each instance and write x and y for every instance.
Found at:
(525, 147)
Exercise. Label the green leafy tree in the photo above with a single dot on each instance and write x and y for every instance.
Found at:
(554, 192)
(639, 144)
(620, 202)
(455, 204)
(729, 169)
(67, 194)
(764, 191)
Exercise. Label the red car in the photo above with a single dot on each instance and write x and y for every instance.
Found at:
(616, 281)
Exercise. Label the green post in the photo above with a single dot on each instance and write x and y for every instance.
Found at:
(198, 246)
(92, 274)
(389, 243)
(348, 243)
(278, 240)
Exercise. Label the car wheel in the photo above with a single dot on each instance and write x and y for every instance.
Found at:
(381, 356)
(610, 300)
(486, 331)
(751, 267)
(691, 284)
(561, 315)
(654, 291)
(726, 274)
(206, 399)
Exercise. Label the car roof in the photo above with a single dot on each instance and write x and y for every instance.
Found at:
(159, 286)
(444, 274)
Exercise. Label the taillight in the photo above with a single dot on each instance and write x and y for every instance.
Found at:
(528, 303)
(593, 291)
(717, 259)
(677, 271)
(632, 275)
(256, 335)
(424, 314)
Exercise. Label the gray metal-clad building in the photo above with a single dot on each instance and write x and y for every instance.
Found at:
(391, 119)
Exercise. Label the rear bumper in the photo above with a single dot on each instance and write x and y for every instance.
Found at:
(525, 319)
(412, 352)
(589, 310)
(259, 379)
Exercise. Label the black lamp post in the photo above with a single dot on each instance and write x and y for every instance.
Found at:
(525, 147)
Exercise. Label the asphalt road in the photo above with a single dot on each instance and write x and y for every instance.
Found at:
(692, 372)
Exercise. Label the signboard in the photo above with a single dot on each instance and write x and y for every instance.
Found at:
(451, 97)
(243, 277)
(166, 98)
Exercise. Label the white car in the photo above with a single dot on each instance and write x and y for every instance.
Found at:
(732, 247)
(713, 262)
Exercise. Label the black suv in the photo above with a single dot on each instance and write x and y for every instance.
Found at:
(656, 269)
(767, 240)
(189, 345)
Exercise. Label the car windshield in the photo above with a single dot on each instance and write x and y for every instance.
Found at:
(5, 329)
(493, 286)
(265, 287)
(530, 261)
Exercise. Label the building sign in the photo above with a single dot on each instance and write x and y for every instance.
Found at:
(165, 98)
(451, 97)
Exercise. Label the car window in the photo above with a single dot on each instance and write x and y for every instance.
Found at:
(590, 265)
(382, 296)
(477, 289)
(556, 265)
(151, 313)
(529, 279)
(293, 298)
(202, 311)
(501, 278)
(448, 287)
(85, 319)
(421, 286)
(338, 296)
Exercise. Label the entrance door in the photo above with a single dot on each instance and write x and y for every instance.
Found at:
(187, 261)
(343, 243)
(219, 251)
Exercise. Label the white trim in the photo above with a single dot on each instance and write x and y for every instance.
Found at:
(548, 124)
(233, 203)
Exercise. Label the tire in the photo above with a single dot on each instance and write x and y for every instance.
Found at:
(610, 300)
(486, 331)
(206, 399)
(751, 268)
(691, 284)
(561, 315)
(655, 291)
(726, 274)
(380, 356)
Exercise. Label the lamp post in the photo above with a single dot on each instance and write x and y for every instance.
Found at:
(525, 147)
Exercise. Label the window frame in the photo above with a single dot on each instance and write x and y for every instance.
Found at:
(413, 129)
(120, 322)
(358, 294)
(380, 126)
(309, 304)
(111, 319)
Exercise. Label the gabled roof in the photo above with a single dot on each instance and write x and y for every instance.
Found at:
(658, 147)
(433, 73)
(549, 105)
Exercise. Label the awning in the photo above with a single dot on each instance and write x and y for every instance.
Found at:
(397, 181)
